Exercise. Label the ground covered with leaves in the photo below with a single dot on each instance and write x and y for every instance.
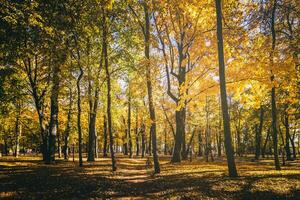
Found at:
(28, 178)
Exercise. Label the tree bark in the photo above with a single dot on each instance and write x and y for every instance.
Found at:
(226, 120)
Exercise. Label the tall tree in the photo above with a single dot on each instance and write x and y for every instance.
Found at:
(273, 91)
(108, 82)
(226, 120)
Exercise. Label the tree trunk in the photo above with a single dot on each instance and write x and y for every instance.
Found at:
(53, 114)
(105, 137)
(287, 137)
(149, 144)
(149, 89)
(258, 135)
(219, 143)
(5, 146)
(96, 146)
(142, 131)
(273, 94)
(109, 116)
(17, 130)
(189, 146)
(292, 139)
(129, 127)
(178, 136)
(165, 146)
(58, 140)
(91, 144)
(226, 120)
(68, 127)
(200, 150)
(79, 112)
(137, 141)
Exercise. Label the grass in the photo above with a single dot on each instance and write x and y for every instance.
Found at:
(29, 178)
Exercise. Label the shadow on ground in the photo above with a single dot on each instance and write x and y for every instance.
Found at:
(31, 179)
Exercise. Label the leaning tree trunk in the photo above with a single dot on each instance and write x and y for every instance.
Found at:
(109, 117)
(226, 120)
(149, 89)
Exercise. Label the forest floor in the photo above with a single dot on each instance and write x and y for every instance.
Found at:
(28, 178)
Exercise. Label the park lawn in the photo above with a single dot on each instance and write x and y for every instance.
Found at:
(28, 178)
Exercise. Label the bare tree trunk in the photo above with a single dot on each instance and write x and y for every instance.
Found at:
(226, 120)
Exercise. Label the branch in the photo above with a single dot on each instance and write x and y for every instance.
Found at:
(138, 19)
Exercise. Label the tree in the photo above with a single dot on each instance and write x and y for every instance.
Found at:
(105, 10)
(226, 121)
